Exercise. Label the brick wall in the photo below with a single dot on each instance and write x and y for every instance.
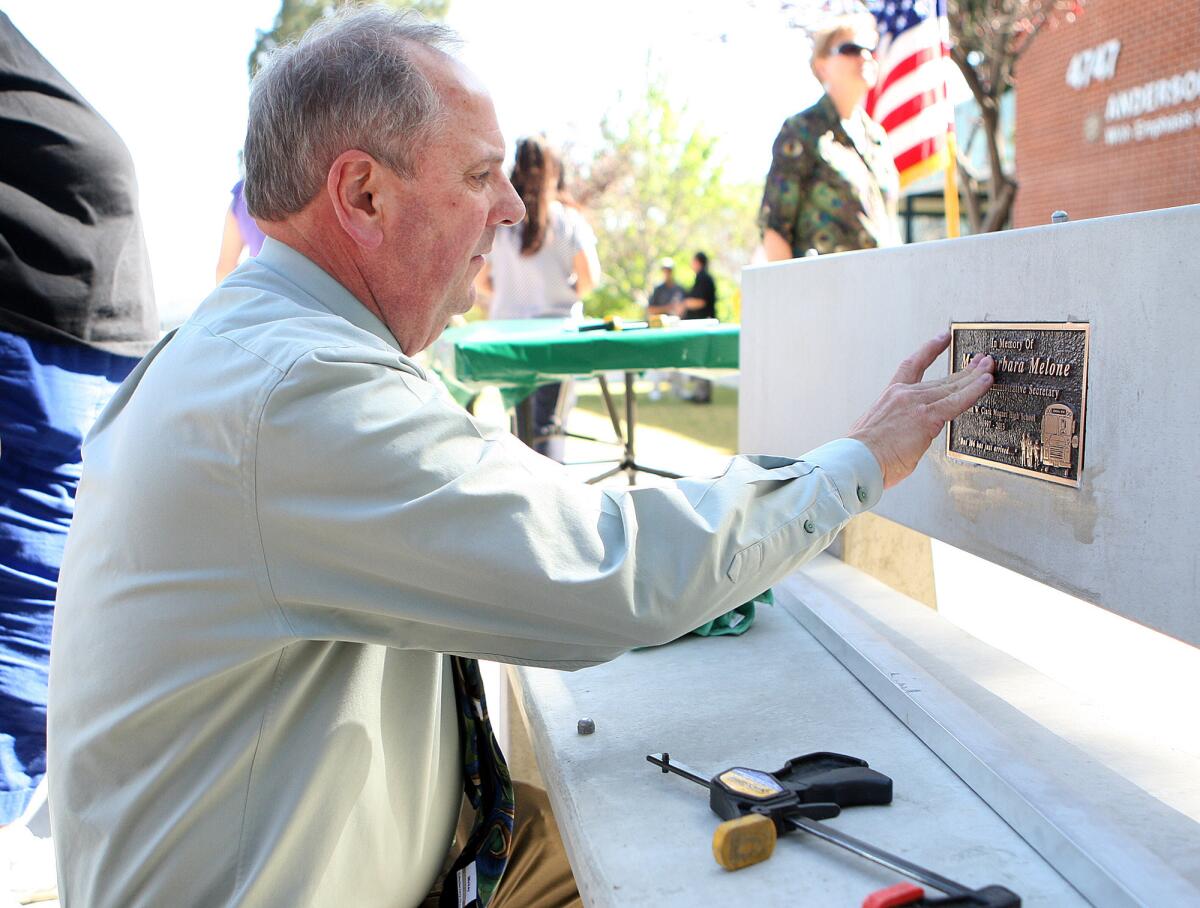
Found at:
(1069, 156)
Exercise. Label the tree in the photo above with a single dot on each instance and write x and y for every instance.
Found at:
(988, 38)
(658, 188)
(295, 16)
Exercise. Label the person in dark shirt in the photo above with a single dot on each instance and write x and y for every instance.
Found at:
(701, 302)
(76, 312)
(73, 265)
(666, 297)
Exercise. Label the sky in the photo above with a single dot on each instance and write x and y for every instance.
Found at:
(172, 80)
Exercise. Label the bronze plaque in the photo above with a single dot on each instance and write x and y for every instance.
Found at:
(1031, 420)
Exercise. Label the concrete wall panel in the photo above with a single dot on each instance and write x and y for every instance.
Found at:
(821, 338)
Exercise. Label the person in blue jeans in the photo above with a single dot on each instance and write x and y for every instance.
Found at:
(76, 312)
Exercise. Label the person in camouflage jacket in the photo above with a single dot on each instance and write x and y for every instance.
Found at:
(832, 186)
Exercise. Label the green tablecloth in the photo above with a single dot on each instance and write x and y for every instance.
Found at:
(517, 356)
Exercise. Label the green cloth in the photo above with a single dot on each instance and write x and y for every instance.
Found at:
(517, 356)
(735, 622)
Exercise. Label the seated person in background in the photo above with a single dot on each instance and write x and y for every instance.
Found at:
(665, 299)
(291, 545)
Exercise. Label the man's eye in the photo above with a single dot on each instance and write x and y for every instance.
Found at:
(481, 178)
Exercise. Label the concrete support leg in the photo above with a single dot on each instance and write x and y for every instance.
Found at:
(894, 554)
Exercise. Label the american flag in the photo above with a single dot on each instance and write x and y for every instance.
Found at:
(910, 100)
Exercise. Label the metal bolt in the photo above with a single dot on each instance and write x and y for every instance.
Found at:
(1059, 217)
(586, 726)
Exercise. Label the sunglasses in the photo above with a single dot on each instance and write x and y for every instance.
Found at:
(851, 49)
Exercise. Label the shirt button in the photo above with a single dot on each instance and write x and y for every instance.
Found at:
(809, 526)
(862, 494)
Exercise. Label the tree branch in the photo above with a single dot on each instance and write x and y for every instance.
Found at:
(970, 186)
(960, 60)
(999, 210)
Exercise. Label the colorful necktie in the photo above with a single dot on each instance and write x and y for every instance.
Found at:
(476, 873)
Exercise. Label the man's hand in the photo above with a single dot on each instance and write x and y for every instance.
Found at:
(911, 412)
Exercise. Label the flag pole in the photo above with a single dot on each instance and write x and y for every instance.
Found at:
(950, 187)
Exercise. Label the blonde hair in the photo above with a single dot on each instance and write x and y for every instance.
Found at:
(831, 34)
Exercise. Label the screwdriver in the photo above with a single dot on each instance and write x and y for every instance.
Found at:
(757, 806)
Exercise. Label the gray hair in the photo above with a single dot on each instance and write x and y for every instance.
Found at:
(349, 82)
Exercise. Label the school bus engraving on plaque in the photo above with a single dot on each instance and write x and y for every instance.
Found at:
(1031, 421)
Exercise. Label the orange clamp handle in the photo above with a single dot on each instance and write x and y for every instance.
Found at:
(894, 896)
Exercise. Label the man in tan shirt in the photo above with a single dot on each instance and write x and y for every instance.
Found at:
(284, 527)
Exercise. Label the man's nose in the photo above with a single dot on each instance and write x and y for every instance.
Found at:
(509, 209)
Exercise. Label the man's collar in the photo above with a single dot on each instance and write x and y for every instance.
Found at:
(322, 287)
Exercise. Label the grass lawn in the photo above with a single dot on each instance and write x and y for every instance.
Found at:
(714, 424)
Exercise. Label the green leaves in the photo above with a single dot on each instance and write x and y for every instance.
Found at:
(656, 187)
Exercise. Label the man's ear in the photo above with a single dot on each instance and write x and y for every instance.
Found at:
(353, 184)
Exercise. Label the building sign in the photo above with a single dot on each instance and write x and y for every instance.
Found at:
(1096, 64)
(1126, 111)
(1107, 112)
(1135, 103)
